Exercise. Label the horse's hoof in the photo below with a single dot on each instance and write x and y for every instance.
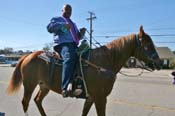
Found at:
(26, 114)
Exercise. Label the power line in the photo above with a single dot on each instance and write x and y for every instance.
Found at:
(172, 42)
(157, 35)
(169, 42)
(92, 17)
(162, 28)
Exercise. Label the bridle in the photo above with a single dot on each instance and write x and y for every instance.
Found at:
(144, 49)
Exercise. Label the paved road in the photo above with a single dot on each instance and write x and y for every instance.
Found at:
(151, 94)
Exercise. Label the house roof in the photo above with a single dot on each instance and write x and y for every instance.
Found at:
(165, 53)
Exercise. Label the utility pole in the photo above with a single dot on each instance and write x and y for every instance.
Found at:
(92, 17)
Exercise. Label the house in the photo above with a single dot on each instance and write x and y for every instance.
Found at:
(166, 55)
(12, 58)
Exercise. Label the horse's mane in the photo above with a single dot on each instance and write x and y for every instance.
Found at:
(119, 43)
(116, 52)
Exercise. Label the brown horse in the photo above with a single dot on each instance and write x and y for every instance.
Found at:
(32, 71)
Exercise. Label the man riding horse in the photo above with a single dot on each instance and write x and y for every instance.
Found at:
(66, 39)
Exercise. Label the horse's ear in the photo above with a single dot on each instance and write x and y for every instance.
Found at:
(141, 32)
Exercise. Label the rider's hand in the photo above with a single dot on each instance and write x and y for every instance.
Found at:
(82, 31)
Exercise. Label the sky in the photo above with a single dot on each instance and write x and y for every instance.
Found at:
(23, 22)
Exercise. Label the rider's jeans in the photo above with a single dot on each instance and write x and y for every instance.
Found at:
(69, 55)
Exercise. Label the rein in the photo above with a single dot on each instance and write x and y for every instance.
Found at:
(128, 75)
(93, 65)
(109, 73)
(99, 69)
(143, 67)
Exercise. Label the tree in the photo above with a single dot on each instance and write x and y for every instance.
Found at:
(2, 52)
(8, 50)
(20, 52)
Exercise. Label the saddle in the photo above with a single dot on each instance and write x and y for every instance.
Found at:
(54, 60)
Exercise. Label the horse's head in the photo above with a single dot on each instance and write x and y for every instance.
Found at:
(146, 51)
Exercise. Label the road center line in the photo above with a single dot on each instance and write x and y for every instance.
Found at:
(146, 106)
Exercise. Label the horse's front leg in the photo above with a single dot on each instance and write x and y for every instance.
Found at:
(100, 105)
(87, 105)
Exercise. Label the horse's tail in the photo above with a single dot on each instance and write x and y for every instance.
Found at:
(16, 79)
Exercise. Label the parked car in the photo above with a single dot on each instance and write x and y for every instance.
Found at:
(13, 64)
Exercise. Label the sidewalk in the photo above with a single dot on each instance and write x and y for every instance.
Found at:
(5, 65)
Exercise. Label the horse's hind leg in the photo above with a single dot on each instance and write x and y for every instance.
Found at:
(38, 99)
(87, 105)
(28, 90)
